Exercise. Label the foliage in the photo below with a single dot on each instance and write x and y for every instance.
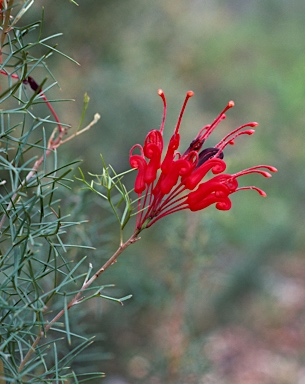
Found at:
(37, 274)
(236, 282)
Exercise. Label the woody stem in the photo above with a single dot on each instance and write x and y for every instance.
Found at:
(77, 299)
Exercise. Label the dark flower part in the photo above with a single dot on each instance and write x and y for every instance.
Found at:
(35, 87)
(207, 153)
(177, 182)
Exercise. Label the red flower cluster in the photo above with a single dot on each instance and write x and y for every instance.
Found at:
(176, 182)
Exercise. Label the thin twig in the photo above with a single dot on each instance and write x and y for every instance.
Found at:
(52, 145)
(96, 118)
(135, 237)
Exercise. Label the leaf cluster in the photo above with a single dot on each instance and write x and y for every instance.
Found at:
(37, 273)
(108, 185)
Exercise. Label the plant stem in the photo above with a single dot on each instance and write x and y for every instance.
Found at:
(6, 17)
(52, 145)
(77, 299)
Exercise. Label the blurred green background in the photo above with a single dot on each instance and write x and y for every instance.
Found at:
(218, 297)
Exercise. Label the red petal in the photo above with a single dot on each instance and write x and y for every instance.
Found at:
(192, 180)
(153, 150)
(138, 162)
(170, 154)
(178, 168)
(215, 190)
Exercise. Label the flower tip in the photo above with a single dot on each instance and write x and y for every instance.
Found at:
(252, 187)
(162, 95)
(190, 93)
(270, 168)
(253, 124)
(231, 104)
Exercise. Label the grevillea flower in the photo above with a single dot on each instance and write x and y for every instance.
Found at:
(191, 180)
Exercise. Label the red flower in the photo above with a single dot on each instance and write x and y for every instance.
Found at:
(177, 182)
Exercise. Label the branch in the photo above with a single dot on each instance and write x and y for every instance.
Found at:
(76, 299)
(96, 118)
(53, 144)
